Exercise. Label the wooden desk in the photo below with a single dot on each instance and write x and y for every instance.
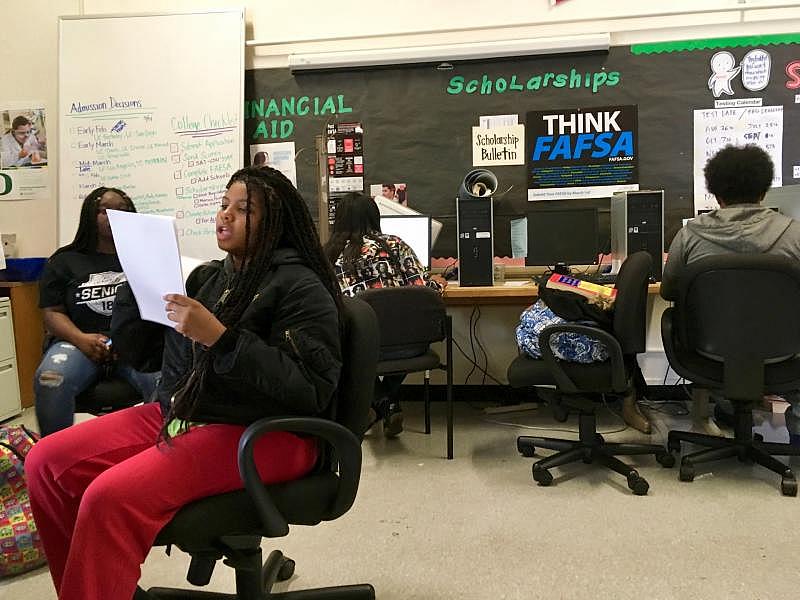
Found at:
(28, 332)
(507, 295)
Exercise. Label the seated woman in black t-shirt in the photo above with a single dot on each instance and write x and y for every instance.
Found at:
(76, 295)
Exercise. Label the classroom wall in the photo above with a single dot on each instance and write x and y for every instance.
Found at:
(29, 53)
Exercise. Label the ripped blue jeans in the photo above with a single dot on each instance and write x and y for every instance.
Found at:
(64, 373)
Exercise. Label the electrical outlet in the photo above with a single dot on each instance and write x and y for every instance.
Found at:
(9, 241)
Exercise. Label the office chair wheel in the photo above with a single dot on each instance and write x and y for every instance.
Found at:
(665, 459)
(757, 437)
(560, 412)
(788, 486)
(287, 570)
(527, 450)
(269, 575)
(638, 484)
(599, 439)
(687, 472)
(541, 476)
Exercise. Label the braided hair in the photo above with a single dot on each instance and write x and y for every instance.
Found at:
(286, 222)
(85, 240)
(357, 217)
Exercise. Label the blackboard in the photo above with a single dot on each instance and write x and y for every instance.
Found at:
(416, 132)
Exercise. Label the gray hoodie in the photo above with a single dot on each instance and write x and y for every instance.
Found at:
(744, 228)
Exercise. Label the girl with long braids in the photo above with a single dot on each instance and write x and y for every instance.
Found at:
(256, 335)
(76, 294)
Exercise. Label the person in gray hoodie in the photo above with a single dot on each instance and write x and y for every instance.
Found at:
(739, 177)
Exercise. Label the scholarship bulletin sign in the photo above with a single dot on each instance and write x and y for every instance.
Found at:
(582, 153)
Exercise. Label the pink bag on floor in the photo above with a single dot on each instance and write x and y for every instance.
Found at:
(20, 547)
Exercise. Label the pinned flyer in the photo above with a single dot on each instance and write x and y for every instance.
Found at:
(498, 146)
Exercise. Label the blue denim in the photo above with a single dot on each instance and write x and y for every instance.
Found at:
(75, 372)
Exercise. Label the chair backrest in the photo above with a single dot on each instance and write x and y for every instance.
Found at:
(408, 317)
(740, 305)
(630, 307)
(360, 358)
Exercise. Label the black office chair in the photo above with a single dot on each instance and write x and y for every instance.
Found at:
(410, 319)
(582, 386)
(108, 394)
(232, 524)
(736, 328)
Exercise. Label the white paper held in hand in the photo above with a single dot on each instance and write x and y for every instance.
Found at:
(147, 246)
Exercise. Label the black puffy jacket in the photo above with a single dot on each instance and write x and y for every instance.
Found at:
(283, 358)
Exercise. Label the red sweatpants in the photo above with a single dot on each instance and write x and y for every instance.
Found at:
(102, 490)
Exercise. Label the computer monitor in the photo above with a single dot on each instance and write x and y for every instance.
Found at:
(786, 200)
(567, 236)
(414, 230)
(390, 207)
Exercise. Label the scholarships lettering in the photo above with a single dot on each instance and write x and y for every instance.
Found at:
(520, 83)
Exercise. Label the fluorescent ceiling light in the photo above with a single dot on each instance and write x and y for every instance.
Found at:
(449, 52)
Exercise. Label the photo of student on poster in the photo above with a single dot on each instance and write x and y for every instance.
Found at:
(23, 152)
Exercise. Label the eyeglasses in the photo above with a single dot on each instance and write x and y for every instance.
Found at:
(21, 131)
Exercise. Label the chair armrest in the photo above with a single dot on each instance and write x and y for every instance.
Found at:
(347, 450)
(565, 384)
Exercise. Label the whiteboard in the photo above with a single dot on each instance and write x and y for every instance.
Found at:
(153, 105)
(715, 128)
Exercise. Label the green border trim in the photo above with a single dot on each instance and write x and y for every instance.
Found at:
(710, 44)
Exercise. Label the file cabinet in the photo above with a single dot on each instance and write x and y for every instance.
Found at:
(10, 404)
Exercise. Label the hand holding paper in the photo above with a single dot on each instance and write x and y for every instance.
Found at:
(147, 246)
(193, 320)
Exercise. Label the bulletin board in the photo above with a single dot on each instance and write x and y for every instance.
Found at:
(691, 98)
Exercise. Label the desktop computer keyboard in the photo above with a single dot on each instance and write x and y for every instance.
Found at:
(605, 278)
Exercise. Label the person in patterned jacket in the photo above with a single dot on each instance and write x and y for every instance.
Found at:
(364, 258)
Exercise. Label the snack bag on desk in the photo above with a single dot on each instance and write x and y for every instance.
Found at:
(577, 300)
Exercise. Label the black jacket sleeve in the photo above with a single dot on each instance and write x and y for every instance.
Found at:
(138, 343)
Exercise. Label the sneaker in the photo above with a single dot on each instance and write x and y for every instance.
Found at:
(393, 421)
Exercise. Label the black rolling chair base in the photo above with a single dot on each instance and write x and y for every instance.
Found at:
(348, 592)
(591, 448)
(254, 582)
(754, 451)
(602, 455)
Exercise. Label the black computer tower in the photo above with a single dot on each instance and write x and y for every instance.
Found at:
(475, 241)
(637, 223)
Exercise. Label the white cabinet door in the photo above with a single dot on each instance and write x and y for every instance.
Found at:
(9, 390)
(6, 331)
